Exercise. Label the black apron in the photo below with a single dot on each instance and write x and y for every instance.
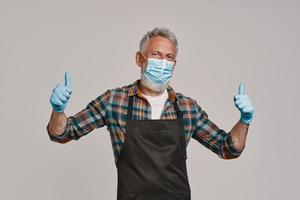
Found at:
(152, 162)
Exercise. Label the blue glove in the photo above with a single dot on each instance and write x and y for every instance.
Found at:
(243, 103)
(61, 94)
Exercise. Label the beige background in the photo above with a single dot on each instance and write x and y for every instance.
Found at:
(221, 43)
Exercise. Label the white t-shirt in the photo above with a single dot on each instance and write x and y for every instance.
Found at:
(157, 104)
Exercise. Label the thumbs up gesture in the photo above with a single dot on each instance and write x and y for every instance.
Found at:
(243, 103)
(61, 94)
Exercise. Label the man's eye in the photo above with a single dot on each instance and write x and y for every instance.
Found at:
(170, 58)
(154, 54)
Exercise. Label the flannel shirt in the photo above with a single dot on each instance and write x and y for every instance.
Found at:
(110, 110)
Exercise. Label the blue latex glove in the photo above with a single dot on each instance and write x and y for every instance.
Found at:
(61, 94)
(243, 103)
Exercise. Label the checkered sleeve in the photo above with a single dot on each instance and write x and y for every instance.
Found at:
(91, 117)
(212, 137)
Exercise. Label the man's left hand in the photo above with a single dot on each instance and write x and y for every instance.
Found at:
(243, 103)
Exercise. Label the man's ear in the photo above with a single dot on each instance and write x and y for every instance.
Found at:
(139, 59)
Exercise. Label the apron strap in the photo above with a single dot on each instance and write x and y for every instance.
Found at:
(130, 107)
(180, 118)
(178, 111)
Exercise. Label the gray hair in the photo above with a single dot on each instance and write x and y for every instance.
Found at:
(163, 32)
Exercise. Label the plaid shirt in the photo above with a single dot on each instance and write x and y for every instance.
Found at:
(111, 107)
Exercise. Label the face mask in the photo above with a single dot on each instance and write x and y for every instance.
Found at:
(159, 71)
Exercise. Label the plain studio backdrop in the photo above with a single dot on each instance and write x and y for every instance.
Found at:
(221, 43)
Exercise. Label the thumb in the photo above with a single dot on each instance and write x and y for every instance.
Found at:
(241, 88)
(67, 79)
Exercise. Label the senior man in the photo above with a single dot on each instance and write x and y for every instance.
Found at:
(150, 124)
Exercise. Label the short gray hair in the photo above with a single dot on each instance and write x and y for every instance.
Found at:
(163, 32)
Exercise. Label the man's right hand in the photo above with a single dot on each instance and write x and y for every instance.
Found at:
(61, 94)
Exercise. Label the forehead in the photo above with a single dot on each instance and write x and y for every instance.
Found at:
(161, 44)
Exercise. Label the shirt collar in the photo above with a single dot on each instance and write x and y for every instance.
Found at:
(136, 90)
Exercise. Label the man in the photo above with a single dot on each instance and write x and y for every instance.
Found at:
(150, 124)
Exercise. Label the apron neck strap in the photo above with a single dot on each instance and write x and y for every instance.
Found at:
(178, 111)
(130, 108)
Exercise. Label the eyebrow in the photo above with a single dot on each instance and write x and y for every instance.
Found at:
(168, 54)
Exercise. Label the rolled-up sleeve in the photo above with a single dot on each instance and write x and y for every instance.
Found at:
(91, 117)
(212, 137)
